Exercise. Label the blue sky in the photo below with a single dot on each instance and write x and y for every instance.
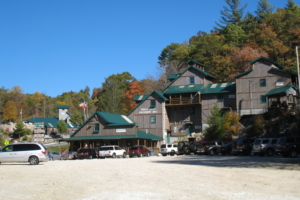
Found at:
(65, 45)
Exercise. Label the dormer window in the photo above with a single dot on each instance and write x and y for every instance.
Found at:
(152, 103)
(192, 80)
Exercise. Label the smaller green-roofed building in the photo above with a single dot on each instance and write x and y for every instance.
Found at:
(51, 123)
(104, 128)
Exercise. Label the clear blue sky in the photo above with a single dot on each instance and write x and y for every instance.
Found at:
(57, 46)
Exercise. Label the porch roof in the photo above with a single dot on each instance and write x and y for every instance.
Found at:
(140, 135)
(281, 90)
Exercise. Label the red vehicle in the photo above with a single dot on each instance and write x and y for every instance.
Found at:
(138, 151)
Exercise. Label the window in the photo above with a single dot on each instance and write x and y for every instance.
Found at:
(192, 80)
(96, 128)
(152, 103)
(153, 119)
(263, 82)
(220, 98)
(263, 99)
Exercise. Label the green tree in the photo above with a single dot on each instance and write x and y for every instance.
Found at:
(233, 14)
(20, 129)
(62, 126)
(234, 35)
(264, 9)
(113, 90)
(10, 111)
(215, 129)
(77, 118)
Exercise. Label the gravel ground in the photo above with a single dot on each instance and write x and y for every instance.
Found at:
(171, 177)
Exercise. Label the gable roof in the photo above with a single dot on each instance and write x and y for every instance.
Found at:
(190, 67)
(285, 71)
(113, 119)
(227, 87)
(49, 122)
(242, 74)
(281, 90)
(161, 95)
(184, 89)
(191, 61)
(267, 59)
(110, 118)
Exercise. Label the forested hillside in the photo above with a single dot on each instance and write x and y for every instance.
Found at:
(237, 39)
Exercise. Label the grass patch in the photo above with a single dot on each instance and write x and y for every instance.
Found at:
(57, 148)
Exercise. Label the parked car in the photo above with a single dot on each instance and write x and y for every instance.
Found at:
(226, 149)
(288, 146)
(167, 149)
(111, 151)
(71, 155)
(139, 151)
(213, 148)
(52, 155)
(244, 146)
(88, 153)
(199, 146)
(31, 152)
(265, 146)
(186, 147)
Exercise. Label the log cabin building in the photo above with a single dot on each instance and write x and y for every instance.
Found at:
(184, 105)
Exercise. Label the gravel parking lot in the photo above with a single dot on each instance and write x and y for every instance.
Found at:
(171, 177)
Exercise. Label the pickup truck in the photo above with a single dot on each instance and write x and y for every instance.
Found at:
(212, 148)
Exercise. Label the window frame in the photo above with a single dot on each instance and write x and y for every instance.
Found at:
(192, 80)
(263, 99)
(152, 104)
(95, 131)
(152, 119)
(263, 82)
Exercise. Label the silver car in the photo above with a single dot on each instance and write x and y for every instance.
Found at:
(31, 152)
(71, 155)
(265, 146)
(52, 155)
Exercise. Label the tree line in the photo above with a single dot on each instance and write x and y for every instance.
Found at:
(236, 40)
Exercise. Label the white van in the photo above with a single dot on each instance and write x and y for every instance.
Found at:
(31, 152)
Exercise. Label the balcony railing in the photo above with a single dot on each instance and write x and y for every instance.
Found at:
(183, 101)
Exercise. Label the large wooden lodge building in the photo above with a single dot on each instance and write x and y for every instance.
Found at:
(184, 105)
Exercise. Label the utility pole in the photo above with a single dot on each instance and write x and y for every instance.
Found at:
(297, 66)
(250, 92)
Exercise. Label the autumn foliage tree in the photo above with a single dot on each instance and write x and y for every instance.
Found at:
(10, 111)
(134, 89)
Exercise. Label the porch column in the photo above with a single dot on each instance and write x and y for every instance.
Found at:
(138, 142)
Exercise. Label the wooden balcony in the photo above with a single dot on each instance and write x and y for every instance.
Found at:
(183, 101)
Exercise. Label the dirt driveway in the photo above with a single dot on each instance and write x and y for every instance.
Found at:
(171, 177)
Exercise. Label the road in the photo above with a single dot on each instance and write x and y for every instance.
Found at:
(155, 177)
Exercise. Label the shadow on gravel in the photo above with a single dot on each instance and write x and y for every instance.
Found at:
(235, 161)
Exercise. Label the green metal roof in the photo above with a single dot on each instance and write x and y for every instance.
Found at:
(140, 97)
(49, 122)
(115, 119)
(62, 107)
(281, 90)
(161, 95)
(173, 76)
(111, 119)
(242, 74)
(263, 58)
(201, 71)
(139, 135)
(228, 87)
(184, 89)
(285, 71)
(190, 62)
